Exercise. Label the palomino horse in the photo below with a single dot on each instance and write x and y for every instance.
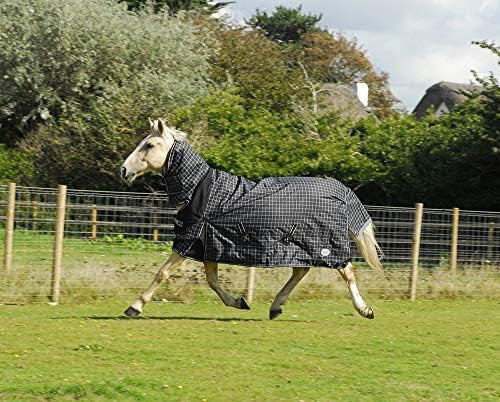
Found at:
(221, 218)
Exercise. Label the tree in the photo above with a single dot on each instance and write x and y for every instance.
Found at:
(174, 6)
(489, 106)
(255, 142)
(480, 162)
(287, 25)
(256, 66)
(79, 81)
(325, 56)
(334, 58)
(14, 165)
(441, 161)
(57, 56)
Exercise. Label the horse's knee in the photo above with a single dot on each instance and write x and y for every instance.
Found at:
(212, 282)
(347, 273)
(162, 275)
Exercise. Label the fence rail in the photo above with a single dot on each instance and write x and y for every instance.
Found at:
(114, 241)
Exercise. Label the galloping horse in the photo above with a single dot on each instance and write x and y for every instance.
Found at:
(297, 222)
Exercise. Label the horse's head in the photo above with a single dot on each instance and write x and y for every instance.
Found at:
(151, 153)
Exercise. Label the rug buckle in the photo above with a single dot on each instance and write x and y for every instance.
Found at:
(287, 237)
(244, 235)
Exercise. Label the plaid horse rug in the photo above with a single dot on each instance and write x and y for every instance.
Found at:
(278, 221)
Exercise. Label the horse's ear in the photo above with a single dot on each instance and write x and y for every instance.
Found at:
(161, 127)
(151, 122)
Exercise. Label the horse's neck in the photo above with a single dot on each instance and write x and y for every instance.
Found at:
(185, 169)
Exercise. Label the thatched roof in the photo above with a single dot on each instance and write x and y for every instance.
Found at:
(447, 93)
(343, 99)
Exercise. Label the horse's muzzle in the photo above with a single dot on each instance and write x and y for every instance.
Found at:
(127, 177)
(123, 173)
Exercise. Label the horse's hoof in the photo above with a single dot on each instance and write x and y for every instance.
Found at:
(274, 313)
(243, 304)
(131, 312)
(370, 314)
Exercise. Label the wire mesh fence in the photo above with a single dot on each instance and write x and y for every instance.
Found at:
(92, 214)
(115, 242)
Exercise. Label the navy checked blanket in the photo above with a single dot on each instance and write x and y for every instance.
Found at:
(278, 221)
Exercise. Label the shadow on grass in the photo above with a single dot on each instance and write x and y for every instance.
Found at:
(173, 318)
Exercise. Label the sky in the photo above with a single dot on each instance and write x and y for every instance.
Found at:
(417, 42)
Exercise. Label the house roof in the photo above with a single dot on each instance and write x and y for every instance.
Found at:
(343, 99)
(449, 93)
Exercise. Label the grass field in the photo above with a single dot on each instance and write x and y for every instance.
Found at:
(115, 266)
(316, 351)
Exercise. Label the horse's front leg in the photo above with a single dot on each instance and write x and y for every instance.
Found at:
(136, 307)
(212, 273)
(297, 275)
(359, 304)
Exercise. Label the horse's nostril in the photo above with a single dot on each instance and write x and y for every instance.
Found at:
(123, 171)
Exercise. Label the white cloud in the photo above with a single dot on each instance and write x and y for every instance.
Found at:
(418, 42)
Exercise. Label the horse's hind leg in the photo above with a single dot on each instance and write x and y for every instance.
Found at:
(212, 273)
(359, 304)
(297, 275)
(136, 307)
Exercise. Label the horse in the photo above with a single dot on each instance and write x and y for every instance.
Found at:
(297, 222)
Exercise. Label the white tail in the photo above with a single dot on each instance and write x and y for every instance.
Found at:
(369, 248)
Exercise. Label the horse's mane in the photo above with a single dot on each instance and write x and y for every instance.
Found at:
(177, 134)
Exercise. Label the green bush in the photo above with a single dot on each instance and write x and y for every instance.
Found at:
(13, 165)
(256, 142)
(79, 75)
(56, 55)
(444, 162)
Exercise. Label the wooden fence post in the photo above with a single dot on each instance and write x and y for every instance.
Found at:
(417, 229)
(9, 227)
(489, 247)
(250, 284)
(34, 214)
(155, 226)
(58, 243)
(454, 246)
(93, 219)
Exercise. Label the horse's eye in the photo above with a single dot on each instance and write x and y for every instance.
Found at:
(149, 145)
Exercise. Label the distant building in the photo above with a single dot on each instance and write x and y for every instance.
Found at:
(350, 101)
(442, 97)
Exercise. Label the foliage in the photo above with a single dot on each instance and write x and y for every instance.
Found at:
(394, 147)
(443, 162)
(489, 103)
(448, 161)
(78, 81)
(58, 56)
(86, 151)
(256, 67)
(285, 24)
(13, 165)
(330, 57)
(325, 56)
(82, 79)
(256, 143)
(175, 6)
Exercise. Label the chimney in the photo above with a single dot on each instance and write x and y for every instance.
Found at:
(361, 90)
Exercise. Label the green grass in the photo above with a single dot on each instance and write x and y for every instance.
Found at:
(316, 351)
(92, 269)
